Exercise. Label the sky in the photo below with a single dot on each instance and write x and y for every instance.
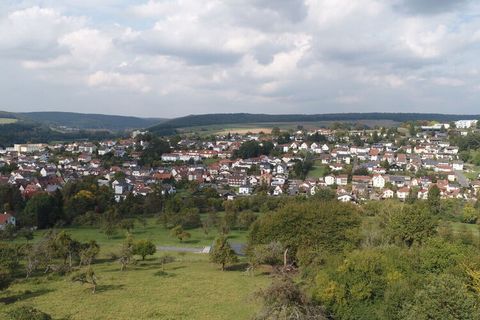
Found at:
(169, 58)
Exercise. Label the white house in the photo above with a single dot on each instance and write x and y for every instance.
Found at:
(402, 193)
(329, 180)
(387, 194)
(465, 124)
(378, 181)
(345, 198)
(245, 189)
(277, 191)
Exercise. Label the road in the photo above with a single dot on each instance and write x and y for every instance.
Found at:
(183, 249)
(239, 249)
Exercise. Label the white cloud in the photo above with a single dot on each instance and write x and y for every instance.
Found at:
(112, 80)
(204, 56)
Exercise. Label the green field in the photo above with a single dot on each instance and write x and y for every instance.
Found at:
(318, 170)
(266, 127)
(192, 288)
(153, 231)
(7, 120)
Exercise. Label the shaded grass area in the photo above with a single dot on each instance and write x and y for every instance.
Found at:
(190, 288)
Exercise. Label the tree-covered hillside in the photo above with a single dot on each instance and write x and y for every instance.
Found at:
(229, 118)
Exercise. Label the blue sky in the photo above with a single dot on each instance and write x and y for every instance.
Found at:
(166, 58)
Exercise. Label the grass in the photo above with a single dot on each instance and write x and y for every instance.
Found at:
(267, 126)
(152, 231)
(190, 288)
(472, 173)
(318, 170)
(7, 121)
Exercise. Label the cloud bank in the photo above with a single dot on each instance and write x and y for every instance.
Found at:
(167, 58)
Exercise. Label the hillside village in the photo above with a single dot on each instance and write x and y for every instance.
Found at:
(358, 165)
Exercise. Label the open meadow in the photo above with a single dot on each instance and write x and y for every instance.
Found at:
(191, 287)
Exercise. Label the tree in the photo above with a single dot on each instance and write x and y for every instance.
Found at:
(191, 219)
(110, 222)
(275, 131)
(222, 253)
(86, 276)
(89, 252)
(434, 199)
(127, 224)
(144, 248)
(126, 253)
(166, 259)
(42, 211)
(179, 233)
(469, 214)
(444, 297)
(245, 219)
(411, 224)
(284, 299)
(271, 254)
(328, 226)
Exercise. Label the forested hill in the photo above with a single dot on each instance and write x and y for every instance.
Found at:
(231, 118)
(90, 121)
(34, 132)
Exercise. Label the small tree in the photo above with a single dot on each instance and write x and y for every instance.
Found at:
(179, 233)
(89, 252)
(166, 259)
(126, 254)
(245, 219)
(86, 276)
(434, 199)
(222, 253)
(285, 300)
(127, 224)
(469, 214)
(144, 248)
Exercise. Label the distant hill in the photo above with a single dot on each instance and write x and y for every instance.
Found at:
(231, 118)
(34, 132)
(47, 126)
(89, 121)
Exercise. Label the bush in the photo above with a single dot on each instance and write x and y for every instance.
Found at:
(28, 313)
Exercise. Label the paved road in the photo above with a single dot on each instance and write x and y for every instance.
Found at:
(462, 179)
(180, 249)
(239, 249)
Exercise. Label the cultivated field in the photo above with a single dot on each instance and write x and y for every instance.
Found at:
(7, 120)
(266, 127)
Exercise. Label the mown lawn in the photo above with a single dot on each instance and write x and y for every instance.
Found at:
(318, 170)
(190, 288)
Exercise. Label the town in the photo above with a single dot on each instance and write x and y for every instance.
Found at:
(357, 164)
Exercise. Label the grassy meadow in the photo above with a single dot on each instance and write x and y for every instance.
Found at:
(7, 120)
(190, 288)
